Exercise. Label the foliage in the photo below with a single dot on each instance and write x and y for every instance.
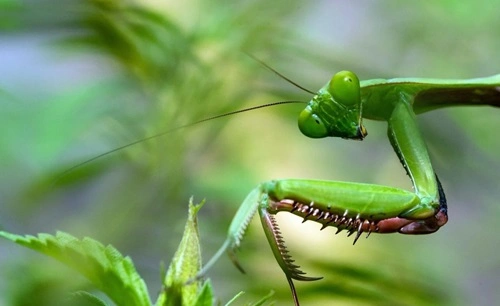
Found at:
(115, 275)
(79, 78)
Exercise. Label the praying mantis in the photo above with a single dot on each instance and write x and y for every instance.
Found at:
(338, 110)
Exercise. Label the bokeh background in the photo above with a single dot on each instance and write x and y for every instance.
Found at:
(79, 78)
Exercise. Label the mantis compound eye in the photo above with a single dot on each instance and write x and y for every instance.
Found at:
(311, 125)
(344, 88)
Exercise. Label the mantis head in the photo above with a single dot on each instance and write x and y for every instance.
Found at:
(335, 110)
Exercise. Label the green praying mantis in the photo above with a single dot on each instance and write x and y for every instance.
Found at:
(337, 110)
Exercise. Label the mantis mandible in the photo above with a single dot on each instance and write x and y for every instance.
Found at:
(337, 110)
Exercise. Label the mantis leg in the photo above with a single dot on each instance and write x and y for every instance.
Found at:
(405, 138)
(354, 207)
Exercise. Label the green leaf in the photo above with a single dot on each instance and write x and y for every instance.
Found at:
(103, 266)
(235, 298)
(258, 303)
(264, 299)
(206, 295)
(184, 266)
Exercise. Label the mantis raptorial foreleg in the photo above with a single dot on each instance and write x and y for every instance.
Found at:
(337, 110)
(354, 207)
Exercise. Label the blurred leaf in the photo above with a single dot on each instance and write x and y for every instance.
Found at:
(7, 9)
(143, 40)
(31, 280)
(83, 298)
(382, 284)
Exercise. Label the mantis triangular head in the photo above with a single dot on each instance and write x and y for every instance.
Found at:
(336, 110)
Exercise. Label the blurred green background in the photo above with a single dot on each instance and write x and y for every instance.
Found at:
(78, 78)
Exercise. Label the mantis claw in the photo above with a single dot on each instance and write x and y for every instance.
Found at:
(280, 251)
(294, 292)
(234, 260)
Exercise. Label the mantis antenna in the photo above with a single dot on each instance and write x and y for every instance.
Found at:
(173, 130)
(196, 122)
(280, 75)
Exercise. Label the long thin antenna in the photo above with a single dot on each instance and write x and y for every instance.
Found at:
(280, 75)
(173, 130)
